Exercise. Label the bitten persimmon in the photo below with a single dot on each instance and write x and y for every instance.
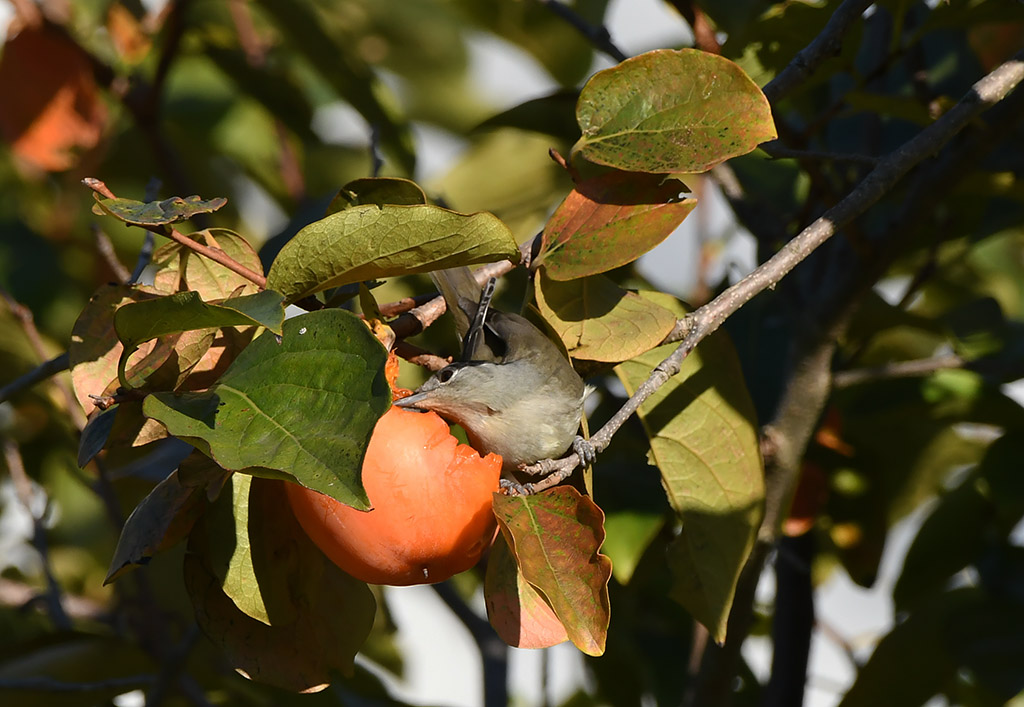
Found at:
(431, 499)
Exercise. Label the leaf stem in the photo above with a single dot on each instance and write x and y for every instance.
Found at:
(214, 254)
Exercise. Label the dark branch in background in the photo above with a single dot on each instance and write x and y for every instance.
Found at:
(125, 684)
(777, 150)
(826, 45)
(376, 156)
(106, 250)
(597, 35)
(899, 369)
(493, 651)
(37, 375)
(28, 498)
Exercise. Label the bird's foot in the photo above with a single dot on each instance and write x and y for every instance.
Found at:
(512, 487)
(585, 450)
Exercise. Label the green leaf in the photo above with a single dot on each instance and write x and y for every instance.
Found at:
(704, 440)
(95, 434)
(304, 406)
(556, 537)
(142, 321)
(671, 111)
(552, 115)
(598, 321)
(317, 616)
(370, 241)
(161, 519)
(611, 220)
(156, 213)
(629, 534)
(518, 612)
(379, 191)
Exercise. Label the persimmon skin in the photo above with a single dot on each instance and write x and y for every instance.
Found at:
(431, 497)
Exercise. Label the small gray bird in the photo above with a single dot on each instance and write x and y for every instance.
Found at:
(513, 391)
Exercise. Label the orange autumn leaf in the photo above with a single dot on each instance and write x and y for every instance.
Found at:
(51, 106)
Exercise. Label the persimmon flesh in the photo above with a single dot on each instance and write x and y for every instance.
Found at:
(431, 498)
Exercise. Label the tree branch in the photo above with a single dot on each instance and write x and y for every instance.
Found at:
(827, 44)
(214, 254)
(597, 35)
(704, 321)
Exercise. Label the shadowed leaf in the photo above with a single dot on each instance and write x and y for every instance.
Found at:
(703, 435)
(328, 616)
(156, 213)
(160, 520)
(611, 220)
(515, 609)
(379, 191)
(598, 321)
(95, 434)
(369, 241)
(556, 536)
(304, 406)
(631, 122)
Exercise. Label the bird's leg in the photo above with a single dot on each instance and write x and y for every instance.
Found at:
(513, 488)
(476, 327)
(585, 450)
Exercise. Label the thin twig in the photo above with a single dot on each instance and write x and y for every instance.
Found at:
(597, 35)
(704, 321)
(827, 44)
(36, 375)
(777, 150)
(214, 254)
(106, 250)
(26, 494)
(898, 369)
(28, 325)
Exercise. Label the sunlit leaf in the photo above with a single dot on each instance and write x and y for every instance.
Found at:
(370, 241)
(304, 406)
(598, 321)
(704, 439)
(631, 121)
(556, 537)
(611, 220)
(327, 614)
(178, 267)
(139, 322)
(156, 213)
(515, 609)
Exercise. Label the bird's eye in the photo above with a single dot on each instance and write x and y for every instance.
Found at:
(446, 374)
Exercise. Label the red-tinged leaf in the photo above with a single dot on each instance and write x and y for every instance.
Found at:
(556, 536)
(516, 610)
(611, 220)
(332, 613)
(599, 321)
(161, 520)
(670, 112)
(51, 106)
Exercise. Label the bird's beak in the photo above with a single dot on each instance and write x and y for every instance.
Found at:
(414, 402)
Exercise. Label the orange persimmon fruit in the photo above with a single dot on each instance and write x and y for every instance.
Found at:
(431, 498)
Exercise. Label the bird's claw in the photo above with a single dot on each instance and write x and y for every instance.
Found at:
(585, 450)
(514, 488)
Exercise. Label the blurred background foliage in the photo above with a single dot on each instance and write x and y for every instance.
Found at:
(275, 104)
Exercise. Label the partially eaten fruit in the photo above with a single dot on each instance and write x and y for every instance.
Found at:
(431, 497)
